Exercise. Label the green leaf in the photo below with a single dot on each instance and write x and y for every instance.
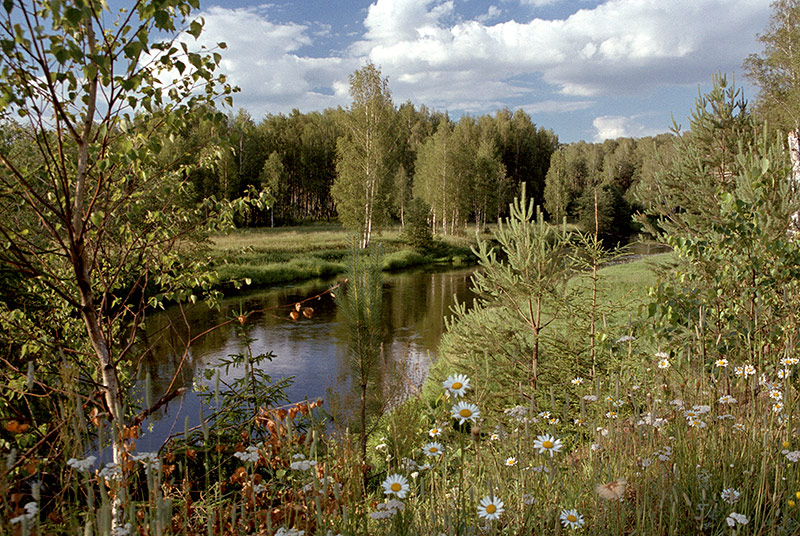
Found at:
(195, 29)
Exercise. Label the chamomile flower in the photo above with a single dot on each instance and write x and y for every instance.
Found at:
(490, 507)
(547, 443)
(495, 437)
(697, 423)
(456, 385)
(727, 399)
(663, 364)
(788, 361)
(464, 411)
(395, 484)
(577, 381)
(511, 461)
(571, 519)
(721, 363)
(777, 407)
(434, 432)
(776, 394)
(739, 427)
(749, 370)
(433, 449)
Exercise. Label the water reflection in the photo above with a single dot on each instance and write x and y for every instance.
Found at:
(312, 350)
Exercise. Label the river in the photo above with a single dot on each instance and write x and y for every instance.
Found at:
(312, 351)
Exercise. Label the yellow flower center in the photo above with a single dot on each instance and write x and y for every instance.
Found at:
(433, 450)
(786, 444)
(396, 487)
(435, 431)
(491, 509)
(547, 444)
(456, 385)
(465, 412)
(571, 518)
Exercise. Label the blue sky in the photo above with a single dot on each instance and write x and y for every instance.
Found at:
(587, 69)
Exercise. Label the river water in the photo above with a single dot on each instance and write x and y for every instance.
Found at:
(312, 351)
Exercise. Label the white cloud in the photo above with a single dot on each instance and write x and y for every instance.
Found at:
(557, 106)
(267, 63)
(492, 13)
(621, 46)
(617, 126)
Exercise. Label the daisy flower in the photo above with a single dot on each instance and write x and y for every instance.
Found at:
(738, 427)
(777, 407)
(577, 381)
(434, 432)
(788, 361)
(663, 364)
(511, 461)
(776, 394)
(727, 399)
(697, 423)
(749, 370)
(739, 371)
(721, 363)
(456, 385)
(395, 484)
(433, 449)
(547, 443)
(571, 519)
(495, 437)
(490, 507)
(464, 411)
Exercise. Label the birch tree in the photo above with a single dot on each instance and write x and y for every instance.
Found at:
(95, 211)
(365, 155)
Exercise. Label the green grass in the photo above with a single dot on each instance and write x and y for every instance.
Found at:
(289, 254)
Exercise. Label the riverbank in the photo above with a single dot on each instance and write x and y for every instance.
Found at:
(275, 256)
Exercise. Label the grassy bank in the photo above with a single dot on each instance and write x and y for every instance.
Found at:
(288, 254)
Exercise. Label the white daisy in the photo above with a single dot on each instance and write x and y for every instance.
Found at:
(547, 443)
(511, 461)
(434, 432)
(577, 381)
(727, 399)
(456, 385)
(464, 411)
(395, 484)
(433, 449)
(663, 364)
(571, 519)
(490, 507)
(721, 363)
(749, 370)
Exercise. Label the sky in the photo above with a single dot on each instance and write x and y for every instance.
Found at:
(587, 69)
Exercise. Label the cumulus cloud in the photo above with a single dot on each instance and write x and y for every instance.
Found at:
(621, 46)
(617, 126)
(266, 61)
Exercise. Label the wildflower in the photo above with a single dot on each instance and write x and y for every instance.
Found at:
(302, 465)
(663, 364)
(511, 461)
(111, 471)
(577, 381)
(784, 373)
(739, 427)
(625, 338)
(82, 466)
(408, 464)
(749, 370)
(730, 495)
(777, 407)
(609, 399)
(739, 371)
(590, 398)
(495, 436)
(776, 394)
(464, 411)
(571, 519)
(554, 420)
(578, 421)
(544, 415)
(289, 532)
(387, 509)
(433, 449)
(434, 432)
(31, 509)
(151, 461)
(690, 414)
(664, 454)
(661, 355)
(678, 403)
(259, 488)
(490, 507)
(646, 462)
(701, 409)
(547, 443)
(734, 518)
(792, 456)
(611, 415)
(619, 403)
(299, 456)
(596, 447)
(727, 399)
(789, 361)
(518, 412)
(697, 423)
(721, 363)
(613, 491)
(124, 530)
(250, 454)
(456, 385)
(395, 485)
